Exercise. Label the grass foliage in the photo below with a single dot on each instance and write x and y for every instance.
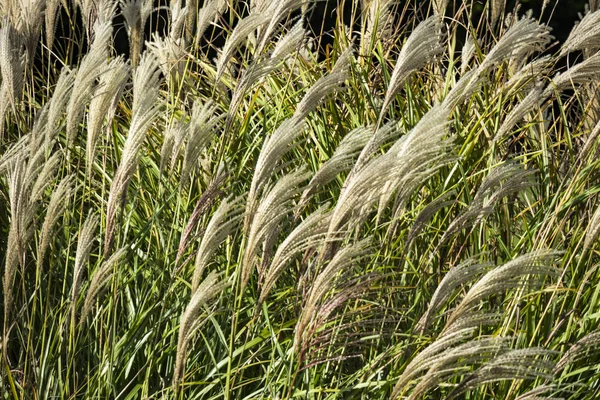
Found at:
(412, 212)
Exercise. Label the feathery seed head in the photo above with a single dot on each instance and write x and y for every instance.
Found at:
(12, 62)
(136, 13)
(204, 203)
(308, 234)
(325, 85)
(244, 28)
(533, 100)
(56, 207)
(515, 273)
(226, 218)
(104, 103)
(100, 280)
(593, 230)
(272, 207)
(452, 281)
(146, 107)
(208, 289)
(585, 35)
(82, 255)
(524, 37)
(420, 48)
(91, 67)
(207, 14)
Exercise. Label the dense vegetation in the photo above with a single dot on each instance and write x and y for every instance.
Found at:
(411, 212)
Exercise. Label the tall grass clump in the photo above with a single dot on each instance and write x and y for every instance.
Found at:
(232, 209)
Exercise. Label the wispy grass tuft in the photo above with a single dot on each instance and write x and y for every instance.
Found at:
(251, 206)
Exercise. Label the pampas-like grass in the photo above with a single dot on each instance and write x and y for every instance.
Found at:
(251, 76)
(203, 123)
(274, 147)
(179, 15)
(582, 73)
(590, 141)
(46, 172)
(453, 363)
(507, 178)
(271, 209)
(529, 103)
(12, 63)
(170, 54)
(197, 131)
(439, 7)
(378, 22)
(100, 279)
(244, 28)
(146, 107)
(342, 160)
(536, 393)
(453, 280)
(410, 158)
(436, 352)
(207, 14)
(263, 66)
(467, 53)
(325, 85)
(29, 174)
(92, 66)
(59, 100)
(530, 363)
(307, 234)
(420, 48)
(382, 135)
(463, 89)
(209, 288)
(582, 350)
(504, 180)
(402, 187)
(291, 41)
(50, 14)
(279, 10)
(136, 13)
(204, 203)
(281, 141)
(175, 134)
(19, 226)
(475, 319)
(189, 12)
(519, 272)
(593, 230)
(96, 12)
(226, 218)
(525, 37)
(104, 103)
(31, 16)
(259, 5)
(527, 76)
(82, 255)
(18, 149)
(9, 10)
(105, 11)
(56, 207)
(584, 36)
(496, 8)
(426, 214)
(312, 307)
(316, 310)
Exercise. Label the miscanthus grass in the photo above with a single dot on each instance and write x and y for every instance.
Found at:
(232, 211)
